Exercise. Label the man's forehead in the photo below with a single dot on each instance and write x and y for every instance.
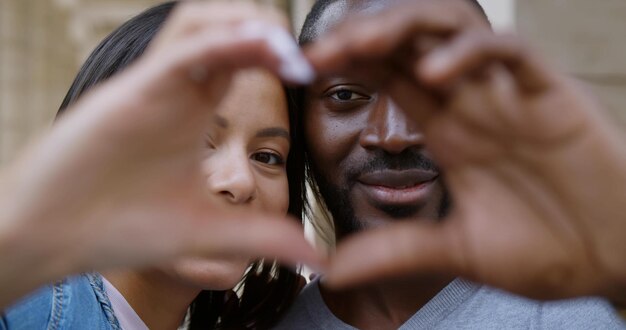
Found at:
(338, 11)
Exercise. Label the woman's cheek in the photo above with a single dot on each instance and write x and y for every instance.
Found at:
(276, 195)
(285, 201)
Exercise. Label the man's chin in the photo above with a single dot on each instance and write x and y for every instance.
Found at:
(354, 226)
(376, 217)
(400, 212)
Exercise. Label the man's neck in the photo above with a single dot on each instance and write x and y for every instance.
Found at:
(158, 300)
(384, 305)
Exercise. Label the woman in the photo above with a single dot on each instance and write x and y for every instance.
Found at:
(251, 155)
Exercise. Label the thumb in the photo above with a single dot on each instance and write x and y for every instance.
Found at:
(400, 249)
(255, 237)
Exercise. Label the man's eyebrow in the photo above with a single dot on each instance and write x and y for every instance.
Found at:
(273, 132)
(220, 121)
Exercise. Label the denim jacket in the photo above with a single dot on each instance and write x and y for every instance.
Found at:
(78, 302)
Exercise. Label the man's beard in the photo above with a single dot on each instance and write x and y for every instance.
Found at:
(337, 198)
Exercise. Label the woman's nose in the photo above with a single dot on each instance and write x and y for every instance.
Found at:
(233, 179)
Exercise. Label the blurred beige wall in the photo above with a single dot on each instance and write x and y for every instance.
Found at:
(585, 38)
(43, 42)
(501, 13)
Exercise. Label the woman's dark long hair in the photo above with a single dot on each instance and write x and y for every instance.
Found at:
(266, 289)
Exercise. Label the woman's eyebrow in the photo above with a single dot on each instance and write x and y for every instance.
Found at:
(273, 132)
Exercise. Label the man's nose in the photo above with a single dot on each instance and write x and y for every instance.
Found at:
(232, 178)
(389, 128)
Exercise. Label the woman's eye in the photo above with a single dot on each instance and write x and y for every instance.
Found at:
(347, 95)
(268, 158)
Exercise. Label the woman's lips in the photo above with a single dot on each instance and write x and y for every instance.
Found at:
(398, 187)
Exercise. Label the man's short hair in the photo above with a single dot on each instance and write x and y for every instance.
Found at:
(308, 34)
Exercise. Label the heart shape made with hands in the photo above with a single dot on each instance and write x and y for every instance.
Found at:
(513, 138)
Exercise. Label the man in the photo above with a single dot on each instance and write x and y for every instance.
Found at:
(369, 163)
(528, 155)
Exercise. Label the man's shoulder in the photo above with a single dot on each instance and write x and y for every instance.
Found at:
(67, 304)
(31, 312)
(581, 313)
(495, 308)
(463, 305)
(298, 315)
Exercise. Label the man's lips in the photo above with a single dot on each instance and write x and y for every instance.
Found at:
(398, 179)
(392, 187)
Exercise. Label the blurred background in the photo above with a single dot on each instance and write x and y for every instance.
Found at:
(43, 42)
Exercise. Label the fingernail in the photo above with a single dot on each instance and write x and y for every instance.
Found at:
(294, 66)
(297, 70)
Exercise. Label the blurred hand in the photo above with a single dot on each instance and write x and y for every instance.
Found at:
(536, 172)
(117, 181)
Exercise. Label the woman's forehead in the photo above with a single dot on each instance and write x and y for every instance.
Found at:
(255, 99)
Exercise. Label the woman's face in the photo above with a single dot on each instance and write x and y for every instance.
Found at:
(246, 152)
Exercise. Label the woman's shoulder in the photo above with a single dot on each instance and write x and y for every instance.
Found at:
(72, 303)
(32, 312)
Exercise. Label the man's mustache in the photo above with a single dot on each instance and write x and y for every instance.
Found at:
(380, 160)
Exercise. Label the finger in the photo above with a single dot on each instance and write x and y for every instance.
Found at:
(474, 50)
(253, 43)
(478, 113)
(422, 102)
(447, 122)
(259, 237)
(147, 240)
(486, 102)
(418, 102)
(402, 249)
(375, 36)
(189, 17)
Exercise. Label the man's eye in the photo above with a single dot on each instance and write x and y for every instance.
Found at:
(268, 158)
(347, 95)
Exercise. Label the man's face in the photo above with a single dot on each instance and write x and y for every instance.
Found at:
(368, 156)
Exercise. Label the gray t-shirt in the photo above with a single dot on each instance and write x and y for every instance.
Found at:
(466, 305)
